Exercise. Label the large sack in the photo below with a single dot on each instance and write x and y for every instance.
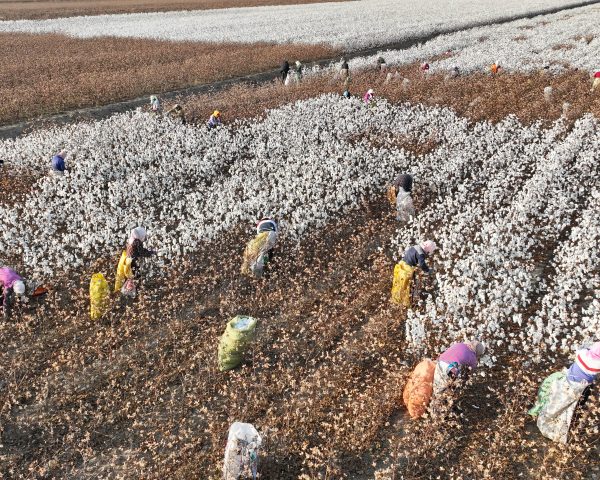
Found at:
(255, 255)
(544, 393)
(419, 388)
(405, 208)
(123, 271)
(241, 452)
(403, 273)
(554, 419)
(99, 294)
(235, 341)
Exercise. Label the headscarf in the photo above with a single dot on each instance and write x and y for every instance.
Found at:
(428, 246)
(138, 233)
(19, 287)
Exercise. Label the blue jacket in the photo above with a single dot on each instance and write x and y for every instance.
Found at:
(58, 163)
(416, 256)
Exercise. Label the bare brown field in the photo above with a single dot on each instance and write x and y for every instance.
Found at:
(138, 394)
(476, 96)
(46, 74)
(11, 10)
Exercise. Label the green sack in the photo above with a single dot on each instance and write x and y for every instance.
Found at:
(544, 393)
(235, 341)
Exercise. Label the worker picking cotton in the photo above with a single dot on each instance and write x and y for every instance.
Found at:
(495, 68)
(258, 251)
(284, 71)
(298, 71)
(154, 104)
(414, 257)
(344, 70)
(215, 120)
(129, 264)
(58, 163)
(177, 113)
(561, 392)
(454, 364)
(399, 195)
(11, 284)
(369, 96)
(596, 81)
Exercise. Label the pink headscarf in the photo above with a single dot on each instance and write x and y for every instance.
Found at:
(595, 350)
(428, 246)
(138, 233)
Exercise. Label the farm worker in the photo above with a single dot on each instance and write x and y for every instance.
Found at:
(346, 93)
(456, 362)
(11, 283)
(399, 196)
(344, 70)
(560, 393)
(381, 64)
(368, 96)
(258, 251)
(424, 66)
(285, 69)
(298, 71)
(495, 68)
(455, 72)
(596, 82)
(154, 103)
(58, 162)
(177, 113)
(128, 267)
(405, 269)
(215, 120)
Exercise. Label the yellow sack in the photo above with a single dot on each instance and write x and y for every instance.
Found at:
(99, 294)
(123, 271)
(253, 250)
(403, 273)
(391, 195)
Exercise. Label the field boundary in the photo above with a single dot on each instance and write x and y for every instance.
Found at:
(104, 111)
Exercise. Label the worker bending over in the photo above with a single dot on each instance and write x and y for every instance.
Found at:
(259, 250)
(415, 256)
(215, 120)
(129, 264)
(399, 195)
(11, 284)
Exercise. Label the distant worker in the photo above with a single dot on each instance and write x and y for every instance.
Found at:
(129, 264)
(561, 392)
(404, 270)
(177, 113)
(424, 66)
(58, 162)
(495, 68)
(381, 65)
(215, 120)
(455, 72)
(285, 69)
(399, 195)
(369, 96)
(346, 94)
(345, 69)
(11, 284)
(298, 71)
(259, 250)
(596, 82)
(154, 104)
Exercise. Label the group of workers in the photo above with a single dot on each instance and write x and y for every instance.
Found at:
(178, 113)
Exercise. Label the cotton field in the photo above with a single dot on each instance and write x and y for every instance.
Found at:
(366, 23)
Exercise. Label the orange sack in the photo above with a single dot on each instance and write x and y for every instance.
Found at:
(418, 389)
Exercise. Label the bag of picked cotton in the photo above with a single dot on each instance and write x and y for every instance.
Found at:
(241, 452)
(419, 388)
(235, 341)
(99, 295)
(401, 285)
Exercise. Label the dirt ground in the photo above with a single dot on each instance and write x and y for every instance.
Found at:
(47, 74)
(33, 9)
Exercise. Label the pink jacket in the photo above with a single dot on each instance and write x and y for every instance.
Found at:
(368, 97)
(8, 277)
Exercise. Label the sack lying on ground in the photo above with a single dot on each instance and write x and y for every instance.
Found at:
(99, 294)
(554, 418)
(235, 341)
(241, 452)
(419, 388)
(403, 273)
(123, 271)
(544, 393)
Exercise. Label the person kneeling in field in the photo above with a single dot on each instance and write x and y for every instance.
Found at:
(128, 268)
(561, 392)
(399, 196)
(177, 113)
(414, 257)
(11, 284)
(258, 251)
(215, 120)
